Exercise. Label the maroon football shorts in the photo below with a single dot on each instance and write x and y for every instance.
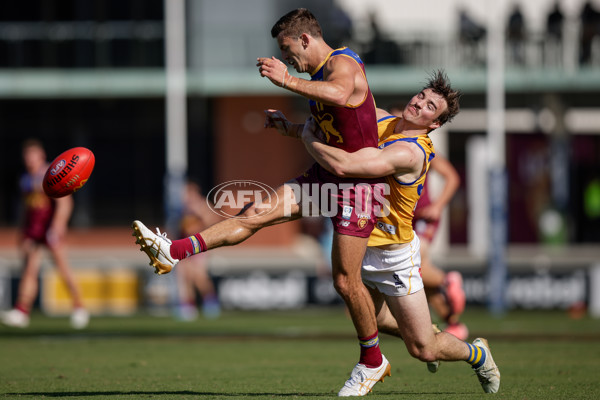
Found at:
(351, 203)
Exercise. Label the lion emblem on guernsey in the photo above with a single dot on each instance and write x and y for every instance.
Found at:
(326, 124)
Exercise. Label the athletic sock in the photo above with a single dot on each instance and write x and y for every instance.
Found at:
(477, 356)
(187, 247)
(22, 308)
(370, 353)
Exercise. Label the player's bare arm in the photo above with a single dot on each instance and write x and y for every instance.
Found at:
(343, 82)
(348, 85)
(442, 166)
(433, 211)
(402, 159)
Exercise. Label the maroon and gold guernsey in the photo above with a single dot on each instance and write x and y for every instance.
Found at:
(39, 208)
(352, 127)
(396, 225)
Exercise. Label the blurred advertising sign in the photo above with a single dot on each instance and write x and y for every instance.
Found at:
(104, 291)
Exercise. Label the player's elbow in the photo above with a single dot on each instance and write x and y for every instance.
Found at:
(342, 101)
(340, 169)
(457, 179)
(340, 98)
(452, 176)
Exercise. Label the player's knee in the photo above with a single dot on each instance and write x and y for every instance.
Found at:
(346, 284)
(340, 283)
(421, 351)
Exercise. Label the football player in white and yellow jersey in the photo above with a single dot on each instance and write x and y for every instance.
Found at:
(391, 266)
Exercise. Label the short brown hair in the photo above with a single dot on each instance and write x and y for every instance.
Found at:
(32, 142)
(297, 22)
(440, 84)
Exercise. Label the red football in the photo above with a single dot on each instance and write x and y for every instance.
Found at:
(69, 172)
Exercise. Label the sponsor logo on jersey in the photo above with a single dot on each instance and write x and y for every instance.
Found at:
(391, 229)
(345, 224)
(362, 222)
(347, 212)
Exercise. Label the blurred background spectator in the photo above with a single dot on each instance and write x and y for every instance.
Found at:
(192, 273)
(590, 28)
(554, 35)
(516, 34)
(471, 35)
(554, 25)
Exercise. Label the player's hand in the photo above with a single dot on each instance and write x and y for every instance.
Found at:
(274, 69)
(276, 119)
(430, 213)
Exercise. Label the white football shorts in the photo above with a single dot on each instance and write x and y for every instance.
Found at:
(393, 273)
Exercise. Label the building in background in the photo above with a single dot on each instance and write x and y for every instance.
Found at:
(91, 73)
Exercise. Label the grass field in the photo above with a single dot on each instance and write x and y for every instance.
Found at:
(294, 354)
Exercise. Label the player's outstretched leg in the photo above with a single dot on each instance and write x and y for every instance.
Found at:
(156, 246)
(164, 254)
(362, 379)
(488, 372)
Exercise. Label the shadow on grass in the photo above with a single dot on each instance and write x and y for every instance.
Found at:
(224, 394)
(159, 393)
(218, 335)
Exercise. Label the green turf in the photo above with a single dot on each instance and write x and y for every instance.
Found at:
(300, 354)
